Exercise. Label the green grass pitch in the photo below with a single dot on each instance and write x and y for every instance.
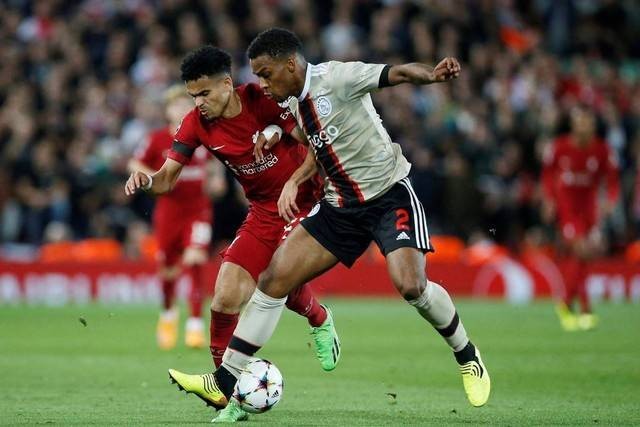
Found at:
(55, 370)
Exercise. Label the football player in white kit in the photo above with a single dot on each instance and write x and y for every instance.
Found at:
(368, 197)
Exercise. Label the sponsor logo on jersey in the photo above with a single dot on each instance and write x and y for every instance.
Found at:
(285, 115)
(323, 137)
(323, 105)
(253, 168)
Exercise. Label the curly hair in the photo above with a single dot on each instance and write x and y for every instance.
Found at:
(275, 42)
(205, 61)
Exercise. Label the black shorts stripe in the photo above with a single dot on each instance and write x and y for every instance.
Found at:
(345, 187)
(423, 217)
(181, 148)
(450, 329)
(419, 217)
(242, 346)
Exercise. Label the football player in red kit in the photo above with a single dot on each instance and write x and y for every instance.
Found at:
(575, 167)
(228, 122)
(181, 224)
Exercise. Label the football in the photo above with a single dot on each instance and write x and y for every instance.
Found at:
(259, 387)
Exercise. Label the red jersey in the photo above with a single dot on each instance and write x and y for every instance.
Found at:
(572, 177)
(232, 141)
(188, 192)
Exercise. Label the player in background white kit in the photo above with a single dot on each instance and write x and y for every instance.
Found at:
(368, 197)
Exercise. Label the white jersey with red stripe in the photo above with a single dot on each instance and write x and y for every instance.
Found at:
(336, 113)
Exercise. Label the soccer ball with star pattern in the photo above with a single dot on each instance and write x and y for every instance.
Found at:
(259, 387)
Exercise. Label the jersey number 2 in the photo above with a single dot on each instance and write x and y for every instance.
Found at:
(403, 218)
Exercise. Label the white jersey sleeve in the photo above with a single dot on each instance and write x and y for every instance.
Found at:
(354, 79)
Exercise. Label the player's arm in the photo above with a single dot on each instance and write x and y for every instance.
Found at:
(279, 121)
(137, 165)
(421, 74)
(299, 136)
(265, 140)
(612, 180)
(157, 183)
(184, 144)
(287, 207)
(548, 179)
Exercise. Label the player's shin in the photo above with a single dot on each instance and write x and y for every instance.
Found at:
(435, 305)
(221, 330)
(168, 293)
(256, 325)
(302, 301)
(196, 293)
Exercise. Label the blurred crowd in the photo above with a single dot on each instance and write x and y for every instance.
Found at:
(81, 85)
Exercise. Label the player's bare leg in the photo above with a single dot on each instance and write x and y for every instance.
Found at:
(193, 260)
(167, 326)
(589, 248)
(407, 270)
(234, 286)
(300, 259)
(569, 266)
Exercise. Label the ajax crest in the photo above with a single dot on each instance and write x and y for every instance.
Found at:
(324, 106)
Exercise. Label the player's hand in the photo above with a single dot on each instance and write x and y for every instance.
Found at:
(262, 143)
(137, 180)
(287, 207)
(447, 69)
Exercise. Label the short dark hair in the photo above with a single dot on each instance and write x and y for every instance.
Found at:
(275, 42)
(205, 61)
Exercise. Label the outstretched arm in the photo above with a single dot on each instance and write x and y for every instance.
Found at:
(136, 165)
(159, 183)
(422, 74)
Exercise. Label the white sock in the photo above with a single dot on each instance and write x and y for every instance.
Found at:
(255, 327)
(436, 307)
(169, 315)
(195, 324)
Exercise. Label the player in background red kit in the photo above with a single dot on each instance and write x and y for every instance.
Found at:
(575, 167)
(229, 122)
(181, 224)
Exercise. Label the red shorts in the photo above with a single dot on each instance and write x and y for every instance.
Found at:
(177, 231)
(257, 239)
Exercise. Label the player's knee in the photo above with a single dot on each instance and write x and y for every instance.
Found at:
(225, 301)
(272, 283)
(169, 272)
(410, 286)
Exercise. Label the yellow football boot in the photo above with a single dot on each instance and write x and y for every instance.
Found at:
(203, 386)
(587, 321)
(475, 378)
(194, 333)
(568, 320)
(167, 330)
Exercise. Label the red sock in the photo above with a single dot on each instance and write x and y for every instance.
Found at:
(302, 301)
(221, 329)
(570, 270)
(195, 295)
(168, 293)
(581, 285)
